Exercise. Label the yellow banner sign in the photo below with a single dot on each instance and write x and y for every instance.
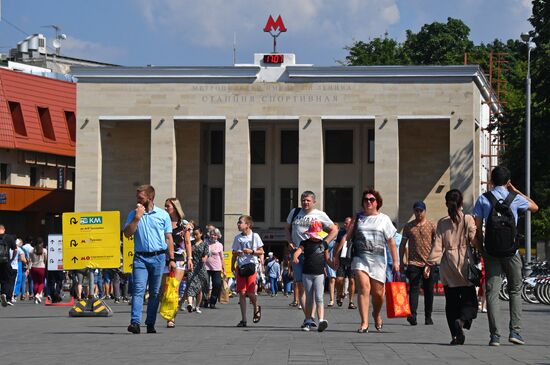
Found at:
(127, 254)
(227, 263)
(91, 240)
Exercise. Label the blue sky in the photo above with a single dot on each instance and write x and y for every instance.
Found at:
(186, 32)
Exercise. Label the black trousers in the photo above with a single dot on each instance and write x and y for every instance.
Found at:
(416, 278)
(55, 284)
(216, 278)
(7, 280)
(460, 303)
(4, 278)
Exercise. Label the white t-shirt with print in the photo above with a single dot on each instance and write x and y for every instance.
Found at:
(301, 223)
(241, 242)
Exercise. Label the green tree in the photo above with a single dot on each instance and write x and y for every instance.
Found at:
(540, 116)
(379, 51)
(439, 43)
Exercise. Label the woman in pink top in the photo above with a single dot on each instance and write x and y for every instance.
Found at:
(38, 257)
(215, 265)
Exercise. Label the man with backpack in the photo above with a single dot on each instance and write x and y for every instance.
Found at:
(498, 209)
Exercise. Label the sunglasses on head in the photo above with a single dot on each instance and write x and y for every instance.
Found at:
(371, 199)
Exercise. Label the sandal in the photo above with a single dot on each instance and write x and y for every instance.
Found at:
(352, 306)
(330, 304)
(257, 315)
(363, 330)
(339, 302)
(170, 324)
(378, 324)
(241, 324)
(293, 304)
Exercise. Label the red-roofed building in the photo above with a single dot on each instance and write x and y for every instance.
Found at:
(37, 150)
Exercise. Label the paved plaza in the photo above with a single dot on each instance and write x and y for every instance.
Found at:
(35, 334)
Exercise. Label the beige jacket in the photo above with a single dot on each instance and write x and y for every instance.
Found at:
(450, 249)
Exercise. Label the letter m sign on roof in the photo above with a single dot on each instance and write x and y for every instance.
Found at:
(273, 26)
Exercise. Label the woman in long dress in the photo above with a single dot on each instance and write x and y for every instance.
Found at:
(198, 278)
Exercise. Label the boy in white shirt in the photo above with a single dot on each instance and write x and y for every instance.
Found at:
(247, 247)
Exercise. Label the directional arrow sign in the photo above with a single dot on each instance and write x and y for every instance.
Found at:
(130, 254)
(73, 221)
(73, 243)
(52, 261)
(74, 259)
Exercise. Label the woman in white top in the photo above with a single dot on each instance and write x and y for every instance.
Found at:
(371, 232)
(38, 258)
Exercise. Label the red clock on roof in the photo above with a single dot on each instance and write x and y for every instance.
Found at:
(274, 59)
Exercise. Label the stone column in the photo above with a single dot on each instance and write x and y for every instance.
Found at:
(461, 155)
(88, 165)
(311, 157)
(386, 163)
(237, 174)
(163, 158)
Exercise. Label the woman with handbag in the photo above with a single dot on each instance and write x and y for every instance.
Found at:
(455, 234)
(372, 233)
(181, 234)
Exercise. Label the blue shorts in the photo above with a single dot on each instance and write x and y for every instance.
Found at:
(297, 269)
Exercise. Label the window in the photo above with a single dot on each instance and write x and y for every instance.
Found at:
(216, 204)
(289, 147)
(257, 204)
(339, 203)
(289, 200)
(33, 176)
(3, 173)
(257, 147)
(371, 145)
(46, 123)
(17, 118)
(216, 147)
(71, 125)
(338, 146)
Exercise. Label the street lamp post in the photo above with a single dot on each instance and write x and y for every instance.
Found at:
(526, 37)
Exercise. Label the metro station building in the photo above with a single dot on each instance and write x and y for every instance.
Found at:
(249, 138)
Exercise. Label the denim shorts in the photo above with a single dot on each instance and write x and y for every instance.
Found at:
(297, 269)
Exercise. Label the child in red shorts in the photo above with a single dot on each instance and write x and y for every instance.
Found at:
(247, 247)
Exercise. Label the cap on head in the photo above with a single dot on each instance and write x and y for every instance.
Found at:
(419, 205)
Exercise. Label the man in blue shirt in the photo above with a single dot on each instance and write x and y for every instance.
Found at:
(152, 231)
(510, 266)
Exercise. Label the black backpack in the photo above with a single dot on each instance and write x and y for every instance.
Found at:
(500, 227)
(6, 242)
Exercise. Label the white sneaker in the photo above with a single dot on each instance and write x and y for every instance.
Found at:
(9, 302)
(198, 310)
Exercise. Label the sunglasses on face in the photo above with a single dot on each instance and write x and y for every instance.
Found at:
(240, 222)
(371, 200)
